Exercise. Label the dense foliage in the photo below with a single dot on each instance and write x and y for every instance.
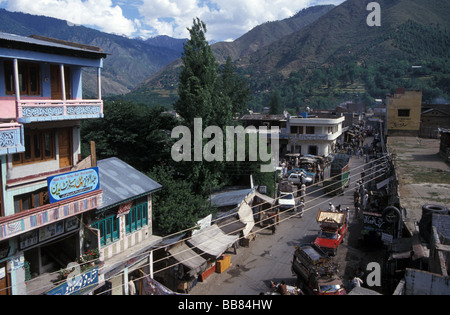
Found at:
(141, 136)
(420, 61)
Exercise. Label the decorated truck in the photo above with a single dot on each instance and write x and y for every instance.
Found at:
(316, 272)
(339, 175)
(333, 228)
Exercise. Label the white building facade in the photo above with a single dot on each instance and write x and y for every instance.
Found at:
(313, 135)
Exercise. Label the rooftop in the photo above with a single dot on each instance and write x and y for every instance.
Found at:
(120, 182)
(49, 45)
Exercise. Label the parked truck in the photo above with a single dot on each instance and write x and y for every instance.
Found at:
(333, 228)
(316, 272)
(339, 175)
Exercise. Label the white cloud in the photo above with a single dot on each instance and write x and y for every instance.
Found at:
(225, 19)
(100, 13)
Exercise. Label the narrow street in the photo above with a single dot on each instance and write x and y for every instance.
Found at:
(269, 257)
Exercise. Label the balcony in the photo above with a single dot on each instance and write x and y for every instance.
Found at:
(49, 110)
(314, 137)
(11, 138)
(36, 218)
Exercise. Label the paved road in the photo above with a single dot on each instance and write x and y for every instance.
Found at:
(269, 256)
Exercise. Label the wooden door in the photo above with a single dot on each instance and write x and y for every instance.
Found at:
(55, 78)
(4, 282)
(65, 147)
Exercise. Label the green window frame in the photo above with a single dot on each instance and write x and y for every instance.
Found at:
(109, 230)
(137, 218)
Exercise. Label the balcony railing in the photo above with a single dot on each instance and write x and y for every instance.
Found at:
(50, 110)
(11, 138)
(36, 218)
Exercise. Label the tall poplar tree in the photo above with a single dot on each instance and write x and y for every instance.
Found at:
(199, 98)
(197, 87)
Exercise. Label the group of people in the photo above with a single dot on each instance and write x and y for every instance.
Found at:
(332, 208)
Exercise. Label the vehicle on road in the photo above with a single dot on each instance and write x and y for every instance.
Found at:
(339, 175)
(316, 272)
(299, 170)
(333, 228)
(286, 201)
(300, 179)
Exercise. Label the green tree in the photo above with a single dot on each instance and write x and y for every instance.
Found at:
(275, 105)
(200, 96)
(134, 133)
(176, 207)
(235, 87)
(197, 79)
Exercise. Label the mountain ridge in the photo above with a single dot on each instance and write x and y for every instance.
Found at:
(338, 41)
(162, 84)
(130, 61)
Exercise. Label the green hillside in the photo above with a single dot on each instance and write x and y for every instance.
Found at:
(130, 61)
(338, 57)
(161, 88)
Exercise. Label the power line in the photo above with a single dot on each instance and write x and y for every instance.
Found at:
(233, 214)
(288, 218)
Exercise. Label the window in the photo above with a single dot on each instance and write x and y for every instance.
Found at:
(39, 146)
(109, 230)
(313, 150)
(310, 130)
(404, 112)
(137, 218)
(297, 130)
(30, 201)
(29, 78)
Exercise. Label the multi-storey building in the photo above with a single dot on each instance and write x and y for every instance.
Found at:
(42, 200)
(403, 115)
(314, 135)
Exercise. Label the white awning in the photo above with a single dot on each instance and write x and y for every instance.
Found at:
(213, 241)
(185, 255)
(246, 217)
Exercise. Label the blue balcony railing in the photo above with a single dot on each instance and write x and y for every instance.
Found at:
(11, 138)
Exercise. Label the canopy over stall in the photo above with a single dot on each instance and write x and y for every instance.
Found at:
(213, 241)
(190, 259)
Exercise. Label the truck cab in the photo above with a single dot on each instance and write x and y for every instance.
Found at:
(316, 273)
(333, 228)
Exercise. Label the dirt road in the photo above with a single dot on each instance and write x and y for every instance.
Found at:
(424, 177)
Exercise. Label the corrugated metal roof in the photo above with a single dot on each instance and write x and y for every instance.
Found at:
(230, 198)
(121, 182)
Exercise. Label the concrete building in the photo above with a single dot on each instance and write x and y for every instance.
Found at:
(403, 113)
(44, 191)
(67, 226)
(314, 135)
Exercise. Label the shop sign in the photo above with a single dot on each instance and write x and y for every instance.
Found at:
(69, 185)
(124, 209)
(16, 263)
(78, 284)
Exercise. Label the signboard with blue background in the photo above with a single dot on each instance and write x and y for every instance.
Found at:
(69, 185)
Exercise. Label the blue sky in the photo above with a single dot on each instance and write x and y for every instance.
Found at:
(226, 20)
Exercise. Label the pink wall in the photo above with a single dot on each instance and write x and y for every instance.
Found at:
(8, 105)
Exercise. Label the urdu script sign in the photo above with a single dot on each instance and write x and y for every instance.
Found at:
(69, 185)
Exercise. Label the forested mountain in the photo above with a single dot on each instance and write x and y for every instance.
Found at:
(161, 88)
(321, 56)
(339, 57)
(130, 61)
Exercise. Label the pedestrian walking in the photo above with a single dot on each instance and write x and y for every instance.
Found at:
(272, 224)
(300, 207)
